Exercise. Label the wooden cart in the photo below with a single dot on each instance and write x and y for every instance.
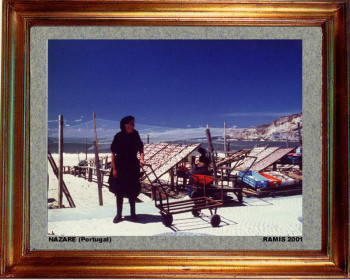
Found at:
(202, 186)
(194, 205)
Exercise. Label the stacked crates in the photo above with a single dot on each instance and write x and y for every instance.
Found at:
(267, 179)
(273, 181)
(254, 179)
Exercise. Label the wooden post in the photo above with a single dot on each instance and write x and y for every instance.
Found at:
(64, 187)
(90, 174)
(211, 150)
(299, 132)
(177, 177)
(60, 161)
(225, 147)
(171, 173)
(193, 160)
(97, 163)
(147, 138)
(153, 194)
(86, 148)
(222, 186)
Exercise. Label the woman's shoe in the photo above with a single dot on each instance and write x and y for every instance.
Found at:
(117, 219)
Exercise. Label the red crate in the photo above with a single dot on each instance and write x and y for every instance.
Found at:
(273, 181)
(200, 179)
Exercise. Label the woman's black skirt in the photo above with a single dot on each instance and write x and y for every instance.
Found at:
(127, 183)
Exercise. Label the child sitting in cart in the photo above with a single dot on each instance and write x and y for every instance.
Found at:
(200, 174)
(201, 167)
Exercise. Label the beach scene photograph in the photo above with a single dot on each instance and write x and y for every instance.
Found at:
(175, 138)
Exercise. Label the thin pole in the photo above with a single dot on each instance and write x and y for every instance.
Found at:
(97, 162)
(60, 160)
(225, 148)
(172, 181)
(211, 150)
(86, 148)
(147, 138)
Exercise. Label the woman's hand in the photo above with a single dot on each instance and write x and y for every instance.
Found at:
(114, 173)
(142, 158)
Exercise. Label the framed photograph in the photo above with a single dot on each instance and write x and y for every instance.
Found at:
(219, 80)
(255, 95)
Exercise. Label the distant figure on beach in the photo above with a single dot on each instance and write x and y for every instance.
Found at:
(202, 167)
(124, 180)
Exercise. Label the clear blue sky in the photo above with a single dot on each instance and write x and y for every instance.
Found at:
(175, 83)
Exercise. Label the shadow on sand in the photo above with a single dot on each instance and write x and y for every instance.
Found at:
(146, 218)
(198, 223)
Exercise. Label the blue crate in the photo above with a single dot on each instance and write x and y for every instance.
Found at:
(258, 181)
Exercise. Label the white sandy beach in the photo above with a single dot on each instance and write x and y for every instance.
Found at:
(271, 216)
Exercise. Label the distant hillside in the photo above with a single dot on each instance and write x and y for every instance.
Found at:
(280, 129)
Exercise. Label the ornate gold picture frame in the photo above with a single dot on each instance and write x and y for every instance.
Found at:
(18, 260)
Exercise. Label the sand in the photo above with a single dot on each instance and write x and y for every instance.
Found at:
(83, 192)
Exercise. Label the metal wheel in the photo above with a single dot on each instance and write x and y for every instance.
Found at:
(215, 220)
(195, 213)
(167, 220)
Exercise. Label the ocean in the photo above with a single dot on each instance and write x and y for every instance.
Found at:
(81, 145)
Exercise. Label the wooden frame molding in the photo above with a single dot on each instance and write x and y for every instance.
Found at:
(18, 261)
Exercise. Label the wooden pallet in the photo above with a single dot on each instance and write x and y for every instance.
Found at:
(273, 191)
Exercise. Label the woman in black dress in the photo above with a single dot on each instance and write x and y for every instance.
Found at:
(124, 180)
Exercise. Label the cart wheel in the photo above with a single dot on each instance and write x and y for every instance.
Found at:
(215, 220)
(167, 220)
(194, 194)
(195, 213)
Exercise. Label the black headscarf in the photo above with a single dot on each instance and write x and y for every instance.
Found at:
(125, 121)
